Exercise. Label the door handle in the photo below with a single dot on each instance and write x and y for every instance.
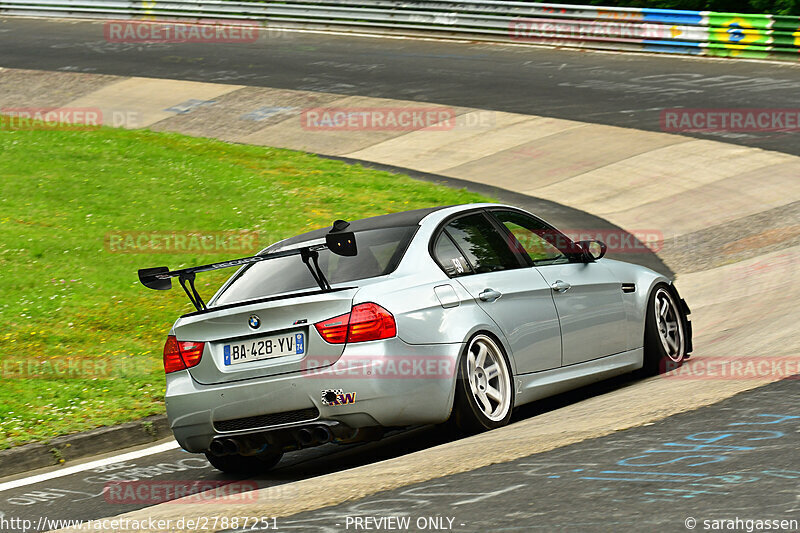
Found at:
(560, 286)
(489, 295)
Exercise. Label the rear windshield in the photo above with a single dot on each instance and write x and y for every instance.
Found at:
(379, 252)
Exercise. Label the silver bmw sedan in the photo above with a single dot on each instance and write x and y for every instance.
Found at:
(451, 314)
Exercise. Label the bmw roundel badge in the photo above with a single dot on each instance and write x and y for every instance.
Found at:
(254, 321)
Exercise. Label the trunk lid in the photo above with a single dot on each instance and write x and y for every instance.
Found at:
(285, 340)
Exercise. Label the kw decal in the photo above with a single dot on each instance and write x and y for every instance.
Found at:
(337, 397)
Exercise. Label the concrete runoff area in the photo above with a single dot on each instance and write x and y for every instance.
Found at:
(664, 187)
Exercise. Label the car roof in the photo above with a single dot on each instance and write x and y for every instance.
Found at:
(392, 220)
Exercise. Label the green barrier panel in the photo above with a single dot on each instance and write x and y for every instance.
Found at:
(785, 39)
(739, 36)
(784, 23)
(739, 30)
(751, 52)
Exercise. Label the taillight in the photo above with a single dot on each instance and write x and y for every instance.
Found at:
(334, 330)
(180, 355)
(172, 356)
(191, 352)
(370, 322)
(364, 322)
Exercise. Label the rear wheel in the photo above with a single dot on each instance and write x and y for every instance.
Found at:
(241, 464)
(484, 388)
(666, 333)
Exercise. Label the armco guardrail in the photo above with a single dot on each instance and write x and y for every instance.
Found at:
(653, 30)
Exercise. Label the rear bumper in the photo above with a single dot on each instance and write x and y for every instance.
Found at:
(390, 383)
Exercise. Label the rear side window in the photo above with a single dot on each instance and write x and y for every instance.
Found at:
(449, 257)
(484, 247)
(379, 252)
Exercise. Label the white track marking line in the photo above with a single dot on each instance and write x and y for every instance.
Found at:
(88, 466)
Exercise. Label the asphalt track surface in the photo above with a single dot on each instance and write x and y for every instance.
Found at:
(604, 88)
(86, 494)
(734, 459)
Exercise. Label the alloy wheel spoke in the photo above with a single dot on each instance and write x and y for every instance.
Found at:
(491, 371)
(673, 343)
(482, 351)
(485, 404)
(664, 308)
(494, 394)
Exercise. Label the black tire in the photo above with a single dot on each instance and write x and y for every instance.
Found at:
(468, 416)
(665, 349)
(244, 465)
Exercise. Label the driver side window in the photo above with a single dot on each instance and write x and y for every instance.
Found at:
(543, 244)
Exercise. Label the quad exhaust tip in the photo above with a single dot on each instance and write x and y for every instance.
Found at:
(255, 444)
(230, 446)
(304, 437)
(216, 448)
(322, 434)
(220, 447)
(314, 435)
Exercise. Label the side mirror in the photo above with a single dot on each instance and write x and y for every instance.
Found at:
(593, 250)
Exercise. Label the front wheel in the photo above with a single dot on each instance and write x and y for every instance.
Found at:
(666, 332)
(244, 465)
(484, 388)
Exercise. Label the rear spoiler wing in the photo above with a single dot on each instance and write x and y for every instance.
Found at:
(337, 241)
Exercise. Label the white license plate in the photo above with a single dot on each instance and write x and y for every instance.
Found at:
(264, 348)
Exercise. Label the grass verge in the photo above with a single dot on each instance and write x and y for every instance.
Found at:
(81, 339)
